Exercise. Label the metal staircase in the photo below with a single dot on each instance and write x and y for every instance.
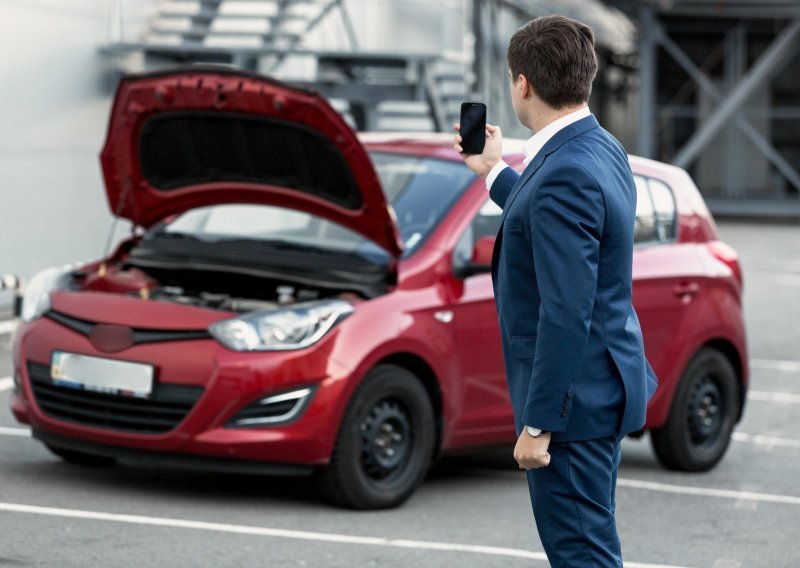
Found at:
(376, 91)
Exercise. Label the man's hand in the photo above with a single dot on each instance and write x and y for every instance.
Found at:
(483, 163)
(530, 452)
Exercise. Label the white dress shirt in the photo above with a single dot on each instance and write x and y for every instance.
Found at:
(535, 143)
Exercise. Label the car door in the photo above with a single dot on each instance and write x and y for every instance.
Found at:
(486, 407)
(666, 275)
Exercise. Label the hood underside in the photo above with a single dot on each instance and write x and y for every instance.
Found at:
(204, 136)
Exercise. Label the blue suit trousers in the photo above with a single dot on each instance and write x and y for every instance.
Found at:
(573, 503)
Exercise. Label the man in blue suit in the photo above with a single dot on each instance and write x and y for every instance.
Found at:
(572, 345)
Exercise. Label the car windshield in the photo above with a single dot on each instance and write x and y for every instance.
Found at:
(421, 191)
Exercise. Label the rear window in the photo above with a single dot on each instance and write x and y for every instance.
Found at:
(187, 148)
(656, 214)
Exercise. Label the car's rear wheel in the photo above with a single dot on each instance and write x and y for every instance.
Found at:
(703, 413)
(385, 442)
(81, 458)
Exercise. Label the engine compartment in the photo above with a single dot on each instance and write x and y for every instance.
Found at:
(212, 289)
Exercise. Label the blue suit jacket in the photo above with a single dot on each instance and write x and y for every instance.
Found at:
(562, 272)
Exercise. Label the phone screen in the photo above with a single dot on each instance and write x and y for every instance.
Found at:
(473, 127)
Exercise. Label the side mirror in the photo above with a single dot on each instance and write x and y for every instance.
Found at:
(481, 258)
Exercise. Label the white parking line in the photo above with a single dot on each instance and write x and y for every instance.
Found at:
(766, 440)
(786, 279)
(292, 534)
(782, 397)
(6, 383)
(775, 365)
(7, 326)
(5, 431)
(709, 492)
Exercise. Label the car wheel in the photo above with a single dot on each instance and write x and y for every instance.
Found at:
(703, 413)
(385, 442)
(81, 458)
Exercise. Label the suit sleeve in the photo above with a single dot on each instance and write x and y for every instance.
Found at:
(502, 186)
(567, 214)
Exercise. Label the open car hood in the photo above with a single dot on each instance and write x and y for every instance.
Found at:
(199, 136)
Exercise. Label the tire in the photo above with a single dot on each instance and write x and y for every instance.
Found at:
(385, 442)
(81, 458)
(703, 414)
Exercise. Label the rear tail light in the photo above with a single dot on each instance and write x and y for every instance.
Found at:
(728, 256)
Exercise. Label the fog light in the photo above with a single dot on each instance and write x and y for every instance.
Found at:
(279, 408)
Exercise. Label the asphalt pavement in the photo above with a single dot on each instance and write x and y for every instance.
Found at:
(472, 511)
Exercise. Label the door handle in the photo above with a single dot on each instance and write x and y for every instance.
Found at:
(686, 290)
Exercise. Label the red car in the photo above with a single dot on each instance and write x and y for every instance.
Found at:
(272, 313)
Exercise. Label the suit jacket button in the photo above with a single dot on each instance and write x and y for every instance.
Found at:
(564, 414)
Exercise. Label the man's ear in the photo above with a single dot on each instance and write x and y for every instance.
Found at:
(524, 86)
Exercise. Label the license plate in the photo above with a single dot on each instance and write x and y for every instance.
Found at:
(101, 375)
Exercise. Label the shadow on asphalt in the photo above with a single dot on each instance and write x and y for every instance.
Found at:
(172, 484)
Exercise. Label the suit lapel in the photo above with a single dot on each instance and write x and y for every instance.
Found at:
(559, 139)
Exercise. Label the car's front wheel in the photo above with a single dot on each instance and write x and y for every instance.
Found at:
(703, 413)
(385, 442)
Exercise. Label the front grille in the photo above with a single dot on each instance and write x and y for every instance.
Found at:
(163, 411)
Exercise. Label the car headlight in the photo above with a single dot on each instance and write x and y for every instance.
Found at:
(283, 329)
(36, 300)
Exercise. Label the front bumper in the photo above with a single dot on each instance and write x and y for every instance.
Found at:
(143, 458)
(227, 381)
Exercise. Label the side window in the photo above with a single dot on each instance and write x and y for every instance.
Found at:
(656, 215)
(644, 230)
(485, 224)
(664, 204)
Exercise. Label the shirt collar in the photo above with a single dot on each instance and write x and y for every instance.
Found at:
(535, 143)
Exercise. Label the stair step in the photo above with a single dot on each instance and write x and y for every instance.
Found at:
(200, 33)
(209, 15)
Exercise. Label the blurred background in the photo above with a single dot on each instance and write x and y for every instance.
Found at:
(712, 86)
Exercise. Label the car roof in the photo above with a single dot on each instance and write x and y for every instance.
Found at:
(440, 144)
(433, 144)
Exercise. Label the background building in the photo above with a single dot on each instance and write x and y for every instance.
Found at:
(710, 85)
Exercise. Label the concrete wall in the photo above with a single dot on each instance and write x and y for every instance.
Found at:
(53, 111)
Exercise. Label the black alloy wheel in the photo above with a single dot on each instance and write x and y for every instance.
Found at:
(385, 443)
(703, 414)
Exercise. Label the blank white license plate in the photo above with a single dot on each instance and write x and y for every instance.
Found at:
(101, 375)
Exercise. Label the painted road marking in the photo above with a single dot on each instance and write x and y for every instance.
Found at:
(782, 397)
(6, 383)
(775, 365)
(5, 431)
(738, 496)
(291, 534)
(766, 440)
(7, 326)
(786, 279)
(709, 492)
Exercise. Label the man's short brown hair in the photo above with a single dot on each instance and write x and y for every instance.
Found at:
(556, 55)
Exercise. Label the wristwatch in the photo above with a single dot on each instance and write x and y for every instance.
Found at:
(535, 432)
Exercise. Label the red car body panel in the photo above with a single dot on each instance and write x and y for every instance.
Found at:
(685, 296)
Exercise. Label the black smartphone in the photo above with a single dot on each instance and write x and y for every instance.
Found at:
(473, 127)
